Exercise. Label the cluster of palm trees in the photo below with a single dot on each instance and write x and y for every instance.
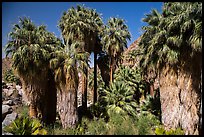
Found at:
(49, 67)
(170, 47)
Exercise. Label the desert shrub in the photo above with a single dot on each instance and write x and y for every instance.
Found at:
(121, 124)
(117, 124)
(98, 110)
(96, 127)
(146, 122)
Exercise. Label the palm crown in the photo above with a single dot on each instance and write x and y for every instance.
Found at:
(171, 35)
(30, 46)
(79, 24)
(115, 37)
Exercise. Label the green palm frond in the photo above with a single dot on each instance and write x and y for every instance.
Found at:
(178, 28)
(82, 22)
(115, 37)
(119, 98)
(68, 59)
(30, 47)
(26, 126)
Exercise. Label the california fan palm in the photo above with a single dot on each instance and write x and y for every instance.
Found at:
(83, 24)
(30, 47)
(66, 62)
(172, 43)
(115, 41)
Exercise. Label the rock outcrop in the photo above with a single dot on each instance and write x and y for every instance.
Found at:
(11, 99)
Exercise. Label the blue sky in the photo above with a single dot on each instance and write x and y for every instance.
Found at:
(49, 13)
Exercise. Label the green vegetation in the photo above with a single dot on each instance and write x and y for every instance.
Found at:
(22, 111)
(9, 77)
(119, 98)
(25, 126)
(162, 131)
(118, 124)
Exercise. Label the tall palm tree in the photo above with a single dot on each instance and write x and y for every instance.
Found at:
(85, 25)
(66, 62)
(150, 60)
(30, 47)
(115, 41)
(172, 45)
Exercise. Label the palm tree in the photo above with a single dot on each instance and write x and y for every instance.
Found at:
(150, 60)
(133, 78)
(119, 98)
(30, 47)
(115, 41)
(66, 62)
(85, 25)
(172, 45)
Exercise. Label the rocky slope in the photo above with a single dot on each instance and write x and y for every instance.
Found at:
(127, 60)
(12, 98)
(6, 65)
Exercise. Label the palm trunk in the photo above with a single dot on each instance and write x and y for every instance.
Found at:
(180, 99)
(67, 101)
(95, 77)
(68, 108)
(152, 89)
(200, 124)
(33, 110)
(84, 90)
(50, 101)
(111, 70)
(41, 94)
(34, 91)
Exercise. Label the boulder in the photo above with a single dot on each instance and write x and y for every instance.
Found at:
(19, 89)
(8, 102)
(5, 133)
(20, 92)
(9, 92)
(3, 96)
(15, 94)
(5, 90)
(4, 85)
(17, 101)
(6, 110)
(9, 118)
(9, 84)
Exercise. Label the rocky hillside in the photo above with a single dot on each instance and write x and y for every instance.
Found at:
(13, 97)
(133, 61)
(128, 60)
(6, 65)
